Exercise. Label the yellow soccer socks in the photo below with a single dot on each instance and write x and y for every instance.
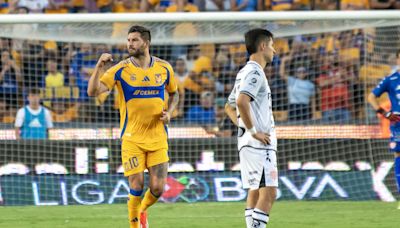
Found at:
(134, 199)
(148, 200)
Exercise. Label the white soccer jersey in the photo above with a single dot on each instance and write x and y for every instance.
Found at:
(251, 81)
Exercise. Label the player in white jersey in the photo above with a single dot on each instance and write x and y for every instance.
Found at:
(250, 108)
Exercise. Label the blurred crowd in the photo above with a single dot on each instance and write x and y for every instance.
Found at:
(133, 6)
(322, 77)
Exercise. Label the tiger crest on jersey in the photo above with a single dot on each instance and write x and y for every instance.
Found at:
(158, 78)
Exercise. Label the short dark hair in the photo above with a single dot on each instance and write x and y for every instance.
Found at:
(254, 37)
(34, 90)
(144, 32)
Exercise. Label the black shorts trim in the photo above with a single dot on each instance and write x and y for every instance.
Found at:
(262, 181)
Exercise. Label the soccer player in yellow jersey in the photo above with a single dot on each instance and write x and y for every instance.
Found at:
(141, 81)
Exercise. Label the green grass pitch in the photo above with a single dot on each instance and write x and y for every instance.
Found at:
(285, 214)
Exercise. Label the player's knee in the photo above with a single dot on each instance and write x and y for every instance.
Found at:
(157, 190)
(136, 183)
(136, 186)
(269, 196)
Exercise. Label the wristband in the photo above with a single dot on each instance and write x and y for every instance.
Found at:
(252, 130)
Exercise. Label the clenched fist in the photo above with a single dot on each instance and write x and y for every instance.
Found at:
(104, 58)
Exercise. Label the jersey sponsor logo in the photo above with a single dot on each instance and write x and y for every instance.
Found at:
(146, 79)
(146, 92)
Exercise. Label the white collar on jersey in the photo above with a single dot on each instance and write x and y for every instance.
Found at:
(256, 63)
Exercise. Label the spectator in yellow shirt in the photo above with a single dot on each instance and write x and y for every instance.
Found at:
(7, 115)
(326, 5)
(63, 112)
(78, 6)
(354, 4)
(154, 5)
(126, 6)
(105, 6)
(54, 78)
(4, 7)
(200, 78)
(181, 6)
(58, 6)
(281, 5)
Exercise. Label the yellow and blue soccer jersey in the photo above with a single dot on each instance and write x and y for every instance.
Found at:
(142, 100)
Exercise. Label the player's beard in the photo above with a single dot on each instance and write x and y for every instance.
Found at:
(136, 53)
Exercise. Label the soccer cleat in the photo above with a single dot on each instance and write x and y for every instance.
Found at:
(143, 220)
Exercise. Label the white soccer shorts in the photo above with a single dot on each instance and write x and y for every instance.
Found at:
(258, 168)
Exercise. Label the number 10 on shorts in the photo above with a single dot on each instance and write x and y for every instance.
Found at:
(131, 163)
